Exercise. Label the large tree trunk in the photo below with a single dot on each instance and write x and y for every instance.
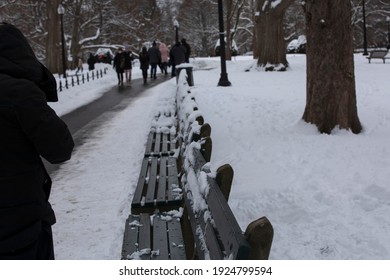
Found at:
(53, 40)
(270, 47)
(331, 95)
(75, 46)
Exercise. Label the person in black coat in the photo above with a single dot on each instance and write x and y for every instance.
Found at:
(91, 62)
(188, 50)
(154, 59)
(30, 129)
(177, 56)
(144, 63)
(119, 65)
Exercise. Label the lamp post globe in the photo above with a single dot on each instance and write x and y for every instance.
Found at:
(61, 12)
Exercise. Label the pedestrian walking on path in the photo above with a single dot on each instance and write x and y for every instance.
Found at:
(164, 57)
(154, 60)
(128, 65)
(144, 63)
(119, 65)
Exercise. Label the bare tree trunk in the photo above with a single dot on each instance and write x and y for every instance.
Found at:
(75, 46)
(270, 49)
(53, 41)
(331, 94)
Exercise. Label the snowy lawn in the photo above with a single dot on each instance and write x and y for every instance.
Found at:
(327, 196)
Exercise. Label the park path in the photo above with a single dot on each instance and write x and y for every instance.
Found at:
(90, 117)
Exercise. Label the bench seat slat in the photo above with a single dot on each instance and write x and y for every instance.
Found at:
(130, 240)
(151, 190)
(164, 144)
(157, 143)
(149, 143)
(144, 235)
(161, 239)
(176, 243)
(162, 190)
(160, 144)
(139, 191)
(162, 180)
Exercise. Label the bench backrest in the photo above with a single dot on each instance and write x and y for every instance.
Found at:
(378, 54)
(222, 225)
(217, 234)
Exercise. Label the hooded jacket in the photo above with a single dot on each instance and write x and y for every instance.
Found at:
(29, 129)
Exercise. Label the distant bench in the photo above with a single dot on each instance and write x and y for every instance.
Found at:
(377, 55)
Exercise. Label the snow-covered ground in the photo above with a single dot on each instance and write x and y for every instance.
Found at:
(327, 196)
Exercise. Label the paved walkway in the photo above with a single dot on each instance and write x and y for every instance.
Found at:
(84, 120)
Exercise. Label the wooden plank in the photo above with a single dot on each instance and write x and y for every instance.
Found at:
(173, 196)
(215, 252)
(164, 146)
(160, 239)
(176, 242)
(172, 166)
(192, 218)
(139, 191)
(151, 190)
(149, 143)
(157, 143)
(162, 182)
(130, 238)
(229, 231)
(144, 235)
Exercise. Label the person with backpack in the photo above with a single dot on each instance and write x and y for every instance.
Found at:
(144, 63)
(119, 65)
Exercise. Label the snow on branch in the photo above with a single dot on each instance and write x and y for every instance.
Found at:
(81, 42)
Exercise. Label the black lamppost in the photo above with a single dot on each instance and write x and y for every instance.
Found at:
(61, 12)
(388, 32)
(223, 81)
(364, 29)
(176, 25)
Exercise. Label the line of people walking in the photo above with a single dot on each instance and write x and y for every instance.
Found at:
(158, 55)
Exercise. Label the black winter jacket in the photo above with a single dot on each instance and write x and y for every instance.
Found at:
(29, 129)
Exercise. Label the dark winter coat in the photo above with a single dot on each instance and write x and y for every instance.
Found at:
(29, 129)
(178, 54)
(144, 59)
(128, 60)
(188, 50)
(154, 55)
(119, 62)
(91, 62)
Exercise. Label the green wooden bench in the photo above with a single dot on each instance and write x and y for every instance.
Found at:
(158, 186)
